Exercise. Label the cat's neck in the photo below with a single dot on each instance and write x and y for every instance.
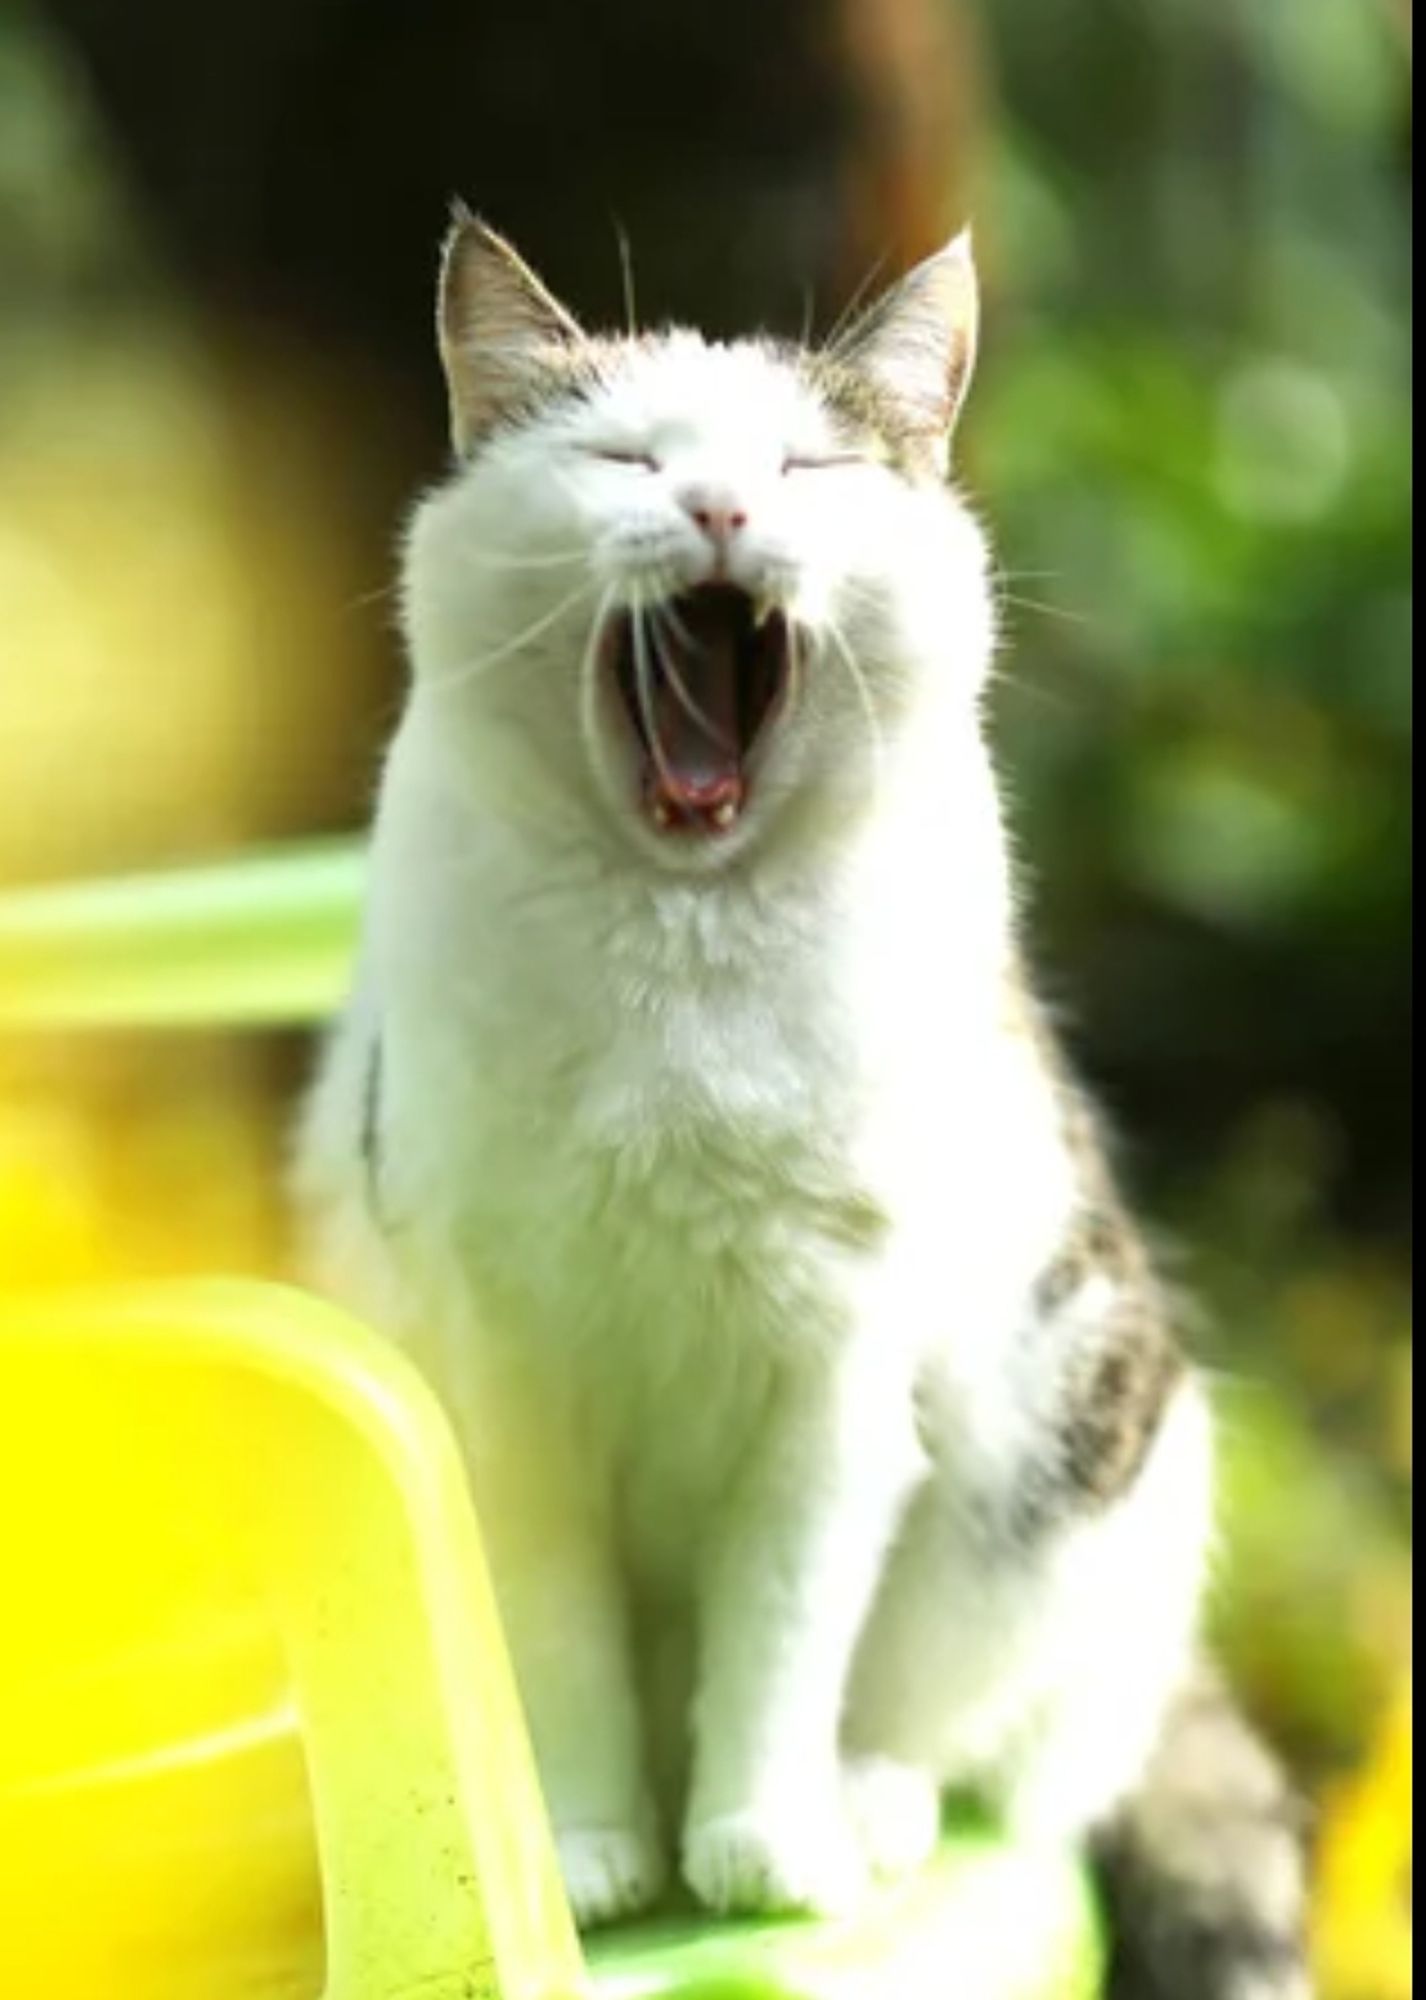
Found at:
(916, 874)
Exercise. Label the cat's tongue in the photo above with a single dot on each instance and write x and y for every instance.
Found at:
(695, 769)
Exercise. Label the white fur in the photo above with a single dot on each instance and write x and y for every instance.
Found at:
(712, 1184)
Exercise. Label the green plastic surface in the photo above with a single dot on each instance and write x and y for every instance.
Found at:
(264, 941)
(986, 1921)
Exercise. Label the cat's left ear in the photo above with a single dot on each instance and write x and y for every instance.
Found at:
(918, 343)
(504, 339)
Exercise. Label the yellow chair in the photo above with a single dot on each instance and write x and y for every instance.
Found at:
(258, 1735)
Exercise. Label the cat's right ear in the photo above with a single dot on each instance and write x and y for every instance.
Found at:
(501, 334)
(917, 344)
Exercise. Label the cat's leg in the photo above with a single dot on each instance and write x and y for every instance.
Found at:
(547, 1538)
(538, 1497)
(790, 1574)
(1141, 1748)
(1025, 1651)
(1114, 1625)
(942, 1631)
(895, 1810)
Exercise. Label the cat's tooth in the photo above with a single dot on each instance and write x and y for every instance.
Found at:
(661, 812)
(763, 608)
(724, 813)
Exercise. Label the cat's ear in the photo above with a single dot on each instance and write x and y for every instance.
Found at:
(502, 335)
(917, 344)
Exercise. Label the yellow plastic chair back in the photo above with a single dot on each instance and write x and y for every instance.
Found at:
(252, 1670)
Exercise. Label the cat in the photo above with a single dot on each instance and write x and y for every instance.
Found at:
(693, 1123)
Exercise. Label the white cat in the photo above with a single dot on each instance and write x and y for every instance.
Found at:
(691, 1123)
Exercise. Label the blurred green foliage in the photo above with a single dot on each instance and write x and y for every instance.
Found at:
(1192, 438)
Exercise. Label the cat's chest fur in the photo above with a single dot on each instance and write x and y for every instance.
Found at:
(649, 1109)
(640, 1137)
(671, 1138)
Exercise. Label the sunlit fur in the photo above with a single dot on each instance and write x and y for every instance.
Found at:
(874, 572)
(710, 1179)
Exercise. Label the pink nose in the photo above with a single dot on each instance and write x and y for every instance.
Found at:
(716, 514)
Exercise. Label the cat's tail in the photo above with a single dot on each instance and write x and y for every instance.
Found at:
(1204, 1868)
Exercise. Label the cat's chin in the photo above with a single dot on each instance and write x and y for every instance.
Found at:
(696, 684)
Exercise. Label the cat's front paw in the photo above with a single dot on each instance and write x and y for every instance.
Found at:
(786, 1858)
(609, 1872)
(896, 1811)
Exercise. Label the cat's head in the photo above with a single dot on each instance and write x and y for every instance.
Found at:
(696, 588)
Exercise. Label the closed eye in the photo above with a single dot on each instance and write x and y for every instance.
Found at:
(826, 464)
(620, 455)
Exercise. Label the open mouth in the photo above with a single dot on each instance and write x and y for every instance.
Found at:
(698, 679)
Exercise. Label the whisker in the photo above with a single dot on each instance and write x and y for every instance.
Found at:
(664, 607)
(646, 699)
(382, 594)
(1017, 686)
(676, 682)
(626, 272)
(1038, 604)
(566, 485)
(471, 668)
(509, 559)
(795, 636)
(588, 675)
(869, 591)
(858, 680)
(847, 322)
